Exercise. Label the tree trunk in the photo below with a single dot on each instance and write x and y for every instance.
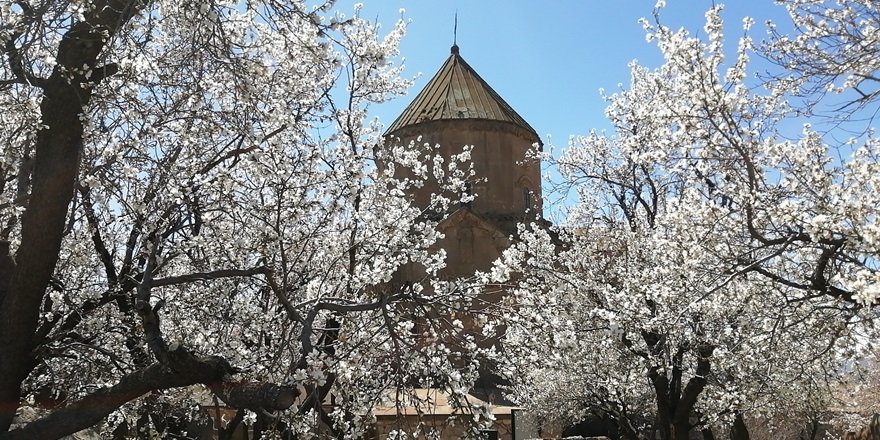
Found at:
(56, 166)
(812, 432)
(57, 155)
(739, 431)
(675, 405)
(708, 434)
(225, 433)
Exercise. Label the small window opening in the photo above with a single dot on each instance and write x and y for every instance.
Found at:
(527, 198)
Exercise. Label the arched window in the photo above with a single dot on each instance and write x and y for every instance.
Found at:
(527, 198)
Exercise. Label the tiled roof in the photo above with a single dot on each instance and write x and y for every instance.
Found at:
(457, 92)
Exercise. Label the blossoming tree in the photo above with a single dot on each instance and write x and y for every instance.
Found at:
(712, 267)
(189, 194)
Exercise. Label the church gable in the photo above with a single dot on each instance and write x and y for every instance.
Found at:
(471, 243)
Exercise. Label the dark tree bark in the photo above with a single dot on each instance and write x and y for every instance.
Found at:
(708, 434)
(225, 433)
(7, 267)
(739, 431)
(183, 369)
(675, 404)
(57, 159)
(812, 431)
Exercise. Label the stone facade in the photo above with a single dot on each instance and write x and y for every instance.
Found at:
(457, 108)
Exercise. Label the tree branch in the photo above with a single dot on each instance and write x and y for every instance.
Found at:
(22, 75)
(184, 369)
(212, 275)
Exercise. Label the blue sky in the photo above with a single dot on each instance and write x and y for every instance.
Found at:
(549, 59)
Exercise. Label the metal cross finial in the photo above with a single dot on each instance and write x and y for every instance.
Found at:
(455, 34)
(455, 29)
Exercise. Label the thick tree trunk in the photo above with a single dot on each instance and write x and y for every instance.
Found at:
(739, 431)
(812, 432)
(57, 157)
(55, 170)
(225, 433)
(664, 419)
(675, 405)
(708, 434)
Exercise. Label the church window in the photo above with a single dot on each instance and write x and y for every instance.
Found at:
(527, 197)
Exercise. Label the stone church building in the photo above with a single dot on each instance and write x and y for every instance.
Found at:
(458, 108)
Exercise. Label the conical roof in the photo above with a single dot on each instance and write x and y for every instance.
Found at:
(458, 92)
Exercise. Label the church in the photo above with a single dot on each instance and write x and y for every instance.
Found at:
(457, 108)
